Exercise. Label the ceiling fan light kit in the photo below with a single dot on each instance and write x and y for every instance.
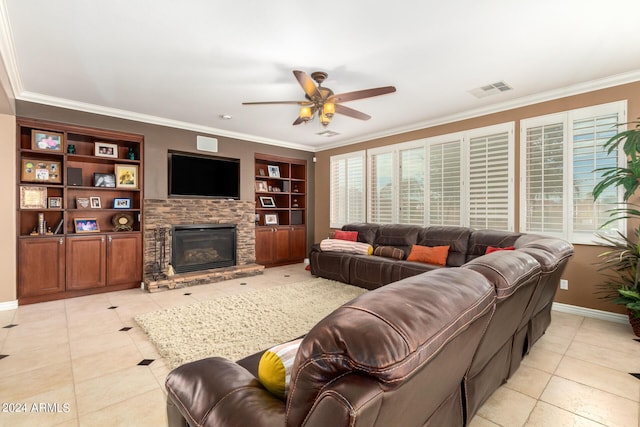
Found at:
(321, 101)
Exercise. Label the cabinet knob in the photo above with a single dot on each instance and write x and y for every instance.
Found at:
(60, 241)
(102, 239)
(109, 239)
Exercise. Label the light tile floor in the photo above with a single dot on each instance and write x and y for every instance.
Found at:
(75, 363)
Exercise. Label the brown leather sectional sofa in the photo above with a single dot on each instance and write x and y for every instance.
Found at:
(427, 346)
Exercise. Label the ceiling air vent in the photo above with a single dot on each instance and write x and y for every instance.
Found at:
(490, 89)
(328, 133)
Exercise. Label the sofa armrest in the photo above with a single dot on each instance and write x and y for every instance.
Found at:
(217, 391)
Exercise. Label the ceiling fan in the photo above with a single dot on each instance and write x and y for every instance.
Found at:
(323, 102)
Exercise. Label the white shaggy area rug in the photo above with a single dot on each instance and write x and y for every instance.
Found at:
(237, 326)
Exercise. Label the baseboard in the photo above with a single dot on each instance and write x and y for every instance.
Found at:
(9, 305)
(590, 312)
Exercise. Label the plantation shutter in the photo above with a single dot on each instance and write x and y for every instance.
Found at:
(489, 181)
(589, 135)
(411, 204)
(445, 183)
(347, 189)
(544, 181)
(381, 190)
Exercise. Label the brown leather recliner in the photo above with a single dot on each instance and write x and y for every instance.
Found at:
(393, 356)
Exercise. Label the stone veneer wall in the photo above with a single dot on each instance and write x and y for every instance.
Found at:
(166, 213)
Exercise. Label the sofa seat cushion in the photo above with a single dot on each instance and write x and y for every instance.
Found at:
(430, 255)
(403, 269)
(371, 272)
(346, 246)
(274, 369)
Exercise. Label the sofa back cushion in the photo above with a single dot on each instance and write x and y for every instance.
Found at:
(401, 236)
(457, 238)
(366, 231)
(480, 240)
(390, 334)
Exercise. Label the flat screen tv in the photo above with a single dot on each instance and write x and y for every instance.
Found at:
(195, 175)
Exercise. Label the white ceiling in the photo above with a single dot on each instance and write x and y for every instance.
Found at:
(184, 63)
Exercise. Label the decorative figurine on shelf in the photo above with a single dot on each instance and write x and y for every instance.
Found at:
(295, 203)
(295, 188)
(131, 155)
(71, 149)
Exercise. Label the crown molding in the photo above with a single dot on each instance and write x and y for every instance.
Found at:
(155, 120)
(577, 89)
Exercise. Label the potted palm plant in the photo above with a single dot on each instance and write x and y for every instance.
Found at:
(621, 260)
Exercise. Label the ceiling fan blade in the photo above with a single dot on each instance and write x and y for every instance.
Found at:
(307, 84)
(341, 109)
(279, 102)
(360, 94)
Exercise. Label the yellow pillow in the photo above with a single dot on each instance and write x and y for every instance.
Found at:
(274, 369)
(429, 254)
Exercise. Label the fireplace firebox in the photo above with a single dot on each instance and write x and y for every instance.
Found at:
(202, 247)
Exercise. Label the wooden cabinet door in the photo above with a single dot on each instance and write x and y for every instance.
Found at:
(298, 243)
(281, 240)
(124, 259)
(265, 247)
(86, 261)
(41, 266)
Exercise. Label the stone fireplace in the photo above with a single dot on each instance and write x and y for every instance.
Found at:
(161, 218)
(202, 247)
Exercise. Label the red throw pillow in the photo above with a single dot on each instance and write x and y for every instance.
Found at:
(429, 254)
(351, 236)
(494, 249)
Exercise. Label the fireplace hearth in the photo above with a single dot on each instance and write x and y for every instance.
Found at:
(199, 247)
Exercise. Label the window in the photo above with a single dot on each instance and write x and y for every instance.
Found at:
(490, 194)
(560, 153)
(445, 181)
(347, 189)
(397, 183)
(478, 195)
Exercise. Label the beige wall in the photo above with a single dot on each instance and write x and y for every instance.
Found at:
(581, 272)
(8, 211)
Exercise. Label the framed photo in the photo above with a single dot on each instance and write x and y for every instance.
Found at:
(261, 186)
(95, 202)
(274, 171)
(126, 176)
(82, 202)
(267, 202)
(55, 202)
(271, 219)
(103, 149)
(261, 172)
(41, 171)
(257, 218)
(104, 180)
(86, 225)
(122, 203)
(33, 197)
(46, 141)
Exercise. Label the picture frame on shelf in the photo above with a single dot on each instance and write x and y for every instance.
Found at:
(274, 171)
(82, 203)
(95, 202)
(261, 186)
(55, 202)
(126, 176)
(261, 172)
(46, 141)
(257, 219)
(33, 197)
(104, 180)
(271, 219)
(267, 202)
(40, 171)
(104, 149)
(122, 203)
(86, 225)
